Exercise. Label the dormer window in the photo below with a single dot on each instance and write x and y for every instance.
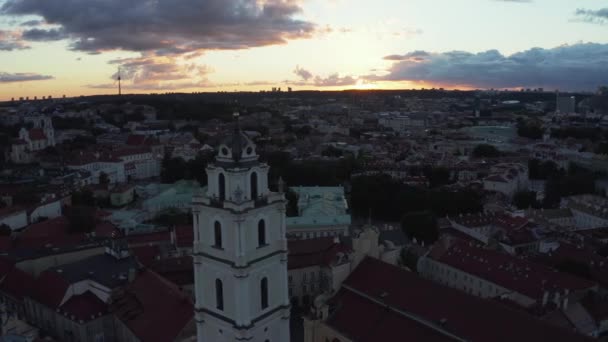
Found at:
(249, 150)
(224, 151)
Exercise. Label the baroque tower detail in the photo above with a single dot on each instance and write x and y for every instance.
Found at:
(240, 249)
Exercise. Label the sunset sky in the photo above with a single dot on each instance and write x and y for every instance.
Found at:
(75, 47)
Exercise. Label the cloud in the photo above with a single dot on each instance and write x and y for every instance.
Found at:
(168, 26)
(303, 73)
(333, 80)
(32, 23)
(6, 77)
(568, 67)
(10, 41)
(41, 35)
(157, 73)
(593, 16)
(415, 56)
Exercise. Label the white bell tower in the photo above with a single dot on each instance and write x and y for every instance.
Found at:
(240, 250)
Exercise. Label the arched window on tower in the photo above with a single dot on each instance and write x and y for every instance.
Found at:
(222, 186)
(261, 233)
(254, 185)
(219, 294)
(217, 234)
(264, 292)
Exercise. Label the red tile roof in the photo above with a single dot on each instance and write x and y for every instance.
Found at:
(158, 237)
(135, 139)
(184, 236)
(154, 309)
(53, 291)
(404, 297)
(84, 307)
(178, 270)
(146, 255)
(523, 276)
(17, 284)
(37, 134)
(313, 252)
(6, 265)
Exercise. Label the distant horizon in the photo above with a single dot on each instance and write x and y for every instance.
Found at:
(296, 91)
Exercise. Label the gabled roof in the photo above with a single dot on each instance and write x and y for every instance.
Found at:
(154, 309)
(84, 307)
(381, 302)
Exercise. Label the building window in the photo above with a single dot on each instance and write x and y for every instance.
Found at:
(219, 294)
(290, 279)
(261, 233)
(222, 186)
(217, 238)
(264, 292)
(254, 185)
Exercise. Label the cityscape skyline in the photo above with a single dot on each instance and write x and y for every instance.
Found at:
(60, 48)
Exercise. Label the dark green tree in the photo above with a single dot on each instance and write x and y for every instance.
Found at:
(525, 200)
(420, 225)
(81, 219)
(485, 151)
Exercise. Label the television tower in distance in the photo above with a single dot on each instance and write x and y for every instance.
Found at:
(119, 85)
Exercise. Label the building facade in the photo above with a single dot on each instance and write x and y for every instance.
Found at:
(240, 250)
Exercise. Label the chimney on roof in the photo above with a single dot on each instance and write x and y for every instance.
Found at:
(545, 298)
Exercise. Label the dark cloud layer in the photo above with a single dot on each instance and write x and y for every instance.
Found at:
(166, 26)
(569, 67)
(41, 35)
(6, 77)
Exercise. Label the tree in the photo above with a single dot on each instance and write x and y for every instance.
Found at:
(528, 130)
(81, 219)
(574, 267)
(331, 151)
(83, 197)
(543, 170)
(292, 203)
(104, 179)
(525, 199)
(5, 230)
(420, 225)
(409, 259)
(437, 176)
(485, 151)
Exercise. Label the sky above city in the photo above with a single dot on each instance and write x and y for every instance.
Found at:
(77, 47)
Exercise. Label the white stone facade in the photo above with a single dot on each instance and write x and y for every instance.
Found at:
(240, 251)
